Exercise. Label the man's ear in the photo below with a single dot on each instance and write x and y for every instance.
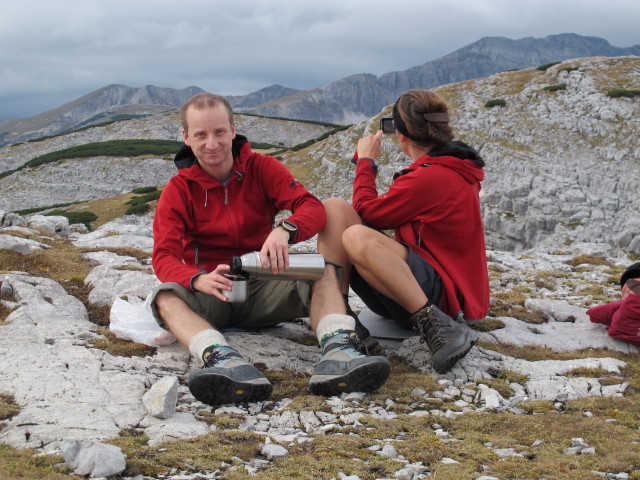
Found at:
(185, 137)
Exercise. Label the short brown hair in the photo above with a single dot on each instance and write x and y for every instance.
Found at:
(411, 108)
(204, 100)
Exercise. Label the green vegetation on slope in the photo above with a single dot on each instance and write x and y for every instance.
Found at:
(111, 148)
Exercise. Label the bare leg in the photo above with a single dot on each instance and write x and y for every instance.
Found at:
(327, 293)
(382, 262)
(183, 322)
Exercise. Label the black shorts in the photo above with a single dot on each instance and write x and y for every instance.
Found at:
(424, 274)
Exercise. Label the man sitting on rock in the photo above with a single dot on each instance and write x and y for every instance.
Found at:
(223, 203)
(622, 318)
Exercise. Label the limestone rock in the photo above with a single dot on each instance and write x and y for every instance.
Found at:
(160, 400)
(94, 459)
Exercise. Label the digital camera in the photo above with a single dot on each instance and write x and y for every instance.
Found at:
(387, 125)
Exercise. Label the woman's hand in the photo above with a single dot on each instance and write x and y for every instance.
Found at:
(370, 146)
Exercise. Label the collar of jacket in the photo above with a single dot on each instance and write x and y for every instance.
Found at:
(186, 159)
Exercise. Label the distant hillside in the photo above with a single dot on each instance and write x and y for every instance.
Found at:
(345, 101)
(357, 97)
(561, 165)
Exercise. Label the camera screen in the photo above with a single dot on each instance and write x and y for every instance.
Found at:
(387, 126)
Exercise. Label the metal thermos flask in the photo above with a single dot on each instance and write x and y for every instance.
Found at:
(302, 266)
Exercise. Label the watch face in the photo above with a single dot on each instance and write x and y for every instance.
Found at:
(289, 226)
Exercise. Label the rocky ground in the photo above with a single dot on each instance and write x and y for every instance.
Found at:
(73, 397)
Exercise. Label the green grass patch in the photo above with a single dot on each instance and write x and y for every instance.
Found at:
(122, 348)
(8, 407)
(621, 92)
(111, 148)
(486, 325)
(142, 190)
(496, 102)
(28, 465)
(29, 211)
(83, 217)
(140, 209)
(555, 88)
(588, 260)
(547, 65)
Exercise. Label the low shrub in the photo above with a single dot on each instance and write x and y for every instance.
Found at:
(555, 88)
(621, 92)
(141, 190)
(496, 102)
(547, 65)
(146, 198)
(139, 209)
(85, 217)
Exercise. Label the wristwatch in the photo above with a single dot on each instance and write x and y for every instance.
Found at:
(292, 228)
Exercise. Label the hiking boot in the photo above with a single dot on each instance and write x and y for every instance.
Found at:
(345, 366)
(227, 378)
(447, 339)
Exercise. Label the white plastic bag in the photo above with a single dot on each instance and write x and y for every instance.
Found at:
(132, 320)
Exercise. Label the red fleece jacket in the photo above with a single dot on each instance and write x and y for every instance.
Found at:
(435, 210)
(622, 318)
(200, 223)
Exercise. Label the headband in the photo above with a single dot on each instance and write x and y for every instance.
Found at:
(434, 117)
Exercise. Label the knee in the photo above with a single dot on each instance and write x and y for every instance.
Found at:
(340, 212)
(164, 299)
(356, 241)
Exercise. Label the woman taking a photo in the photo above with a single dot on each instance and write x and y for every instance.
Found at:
(432, 276)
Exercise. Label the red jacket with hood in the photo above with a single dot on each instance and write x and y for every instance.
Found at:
(622, 318)
(201, 223)
(434, 207)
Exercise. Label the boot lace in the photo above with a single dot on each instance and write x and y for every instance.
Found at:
(217, 355)
(353, 341)
(430, 329)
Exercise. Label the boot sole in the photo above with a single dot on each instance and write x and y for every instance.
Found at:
(364, 378)
(457, 355)
(218, 389)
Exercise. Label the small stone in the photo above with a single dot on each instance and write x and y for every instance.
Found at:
(578, 442)
(272, 451)
(388, 451)
(572, 451)
(448, 461)
(343, 476)
(355, 397)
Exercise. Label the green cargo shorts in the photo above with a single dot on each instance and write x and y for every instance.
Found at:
(269, 303)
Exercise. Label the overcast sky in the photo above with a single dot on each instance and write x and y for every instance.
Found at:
(52, 52)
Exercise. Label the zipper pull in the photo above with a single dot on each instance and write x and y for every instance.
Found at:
(226, 195)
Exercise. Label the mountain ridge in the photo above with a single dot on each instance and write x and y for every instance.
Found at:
(344, 101)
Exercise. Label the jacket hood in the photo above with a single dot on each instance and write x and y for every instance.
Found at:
(459, 157)
(186, 159)
(459, 150)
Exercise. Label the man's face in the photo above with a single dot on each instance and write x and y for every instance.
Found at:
(210, 134)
